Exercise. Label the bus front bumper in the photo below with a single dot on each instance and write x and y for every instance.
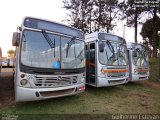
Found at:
(139, 77)
(104, 82)
(33, 94)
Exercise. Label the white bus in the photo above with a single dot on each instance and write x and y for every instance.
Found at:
(106, 59)
(138, 62)
(5, 62)
(11, 62)
(50, 60)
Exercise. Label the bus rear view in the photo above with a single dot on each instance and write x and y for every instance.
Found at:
(50, 60)
(138, 62)
(107, 62)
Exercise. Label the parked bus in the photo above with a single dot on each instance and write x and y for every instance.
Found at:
(50, 60)
(5, 62)
(0, 59)
(106, 59)
(138, 62)
(11, 62)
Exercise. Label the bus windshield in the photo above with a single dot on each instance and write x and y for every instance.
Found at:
(140, 57)
(46, 50)
(114, 54)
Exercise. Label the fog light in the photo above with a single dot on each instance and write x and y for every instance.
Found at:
(23, 82)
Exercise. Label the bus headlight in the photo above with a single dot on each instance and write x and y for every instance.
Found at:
(102, 71)
(23, 82)
(22, 75)
(82, 80)
(135, 72)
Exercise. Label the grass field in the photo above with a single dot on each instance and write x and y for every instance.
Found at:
(130, 98)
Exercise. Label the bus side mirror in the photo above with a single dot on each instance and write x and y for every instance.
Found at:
(15, 39)
(134, 53)
(101, 47)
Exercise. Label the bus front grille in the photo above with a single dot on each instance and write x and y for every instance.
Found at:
(117, 72)
(116, 75)
(142, 73)
(55, 81)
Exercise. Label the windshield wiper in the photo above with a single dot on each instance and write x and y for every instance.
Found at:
(120, 50)
(69, 44)
(144, 53)
(110, 46)
(112, 58)
(49, 41)
(140, 56)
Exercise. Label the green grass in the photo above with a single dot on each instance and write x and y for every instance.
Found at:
(154, 69)
(94, 103)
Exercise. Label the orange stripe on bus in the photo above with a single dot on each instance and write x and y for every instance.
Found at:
(116, 71)
(89, 63)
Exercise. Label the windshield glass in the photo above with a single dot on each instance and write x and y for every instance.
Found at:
(113, 54)
(140, 57)
(46, 50)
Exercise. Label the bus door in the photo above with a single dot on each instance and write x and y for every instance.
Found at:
(130, 64)
(92, 64)
(87, 62)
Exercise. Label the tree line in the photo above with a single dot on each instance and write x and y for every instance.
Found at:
(102, 15)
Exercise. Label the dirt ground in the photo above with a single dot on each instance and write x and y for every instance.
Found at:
(7, 87)
(151, 84)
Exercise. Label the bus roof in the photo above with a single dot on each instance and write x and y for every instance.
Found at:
(131, 45)
(38, 23)
(97, 36)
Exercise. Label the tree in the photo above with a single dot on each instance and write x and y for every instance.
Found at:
(154, 11)
(105, 14)
(148, 29)
(11, 53)
(132, 14)
(79, 12)
(92, 15)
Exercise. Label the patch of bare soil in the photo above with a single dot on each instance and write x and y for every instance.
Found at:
(144, 102)
(6, 99)
(6, 90)
(151, 84)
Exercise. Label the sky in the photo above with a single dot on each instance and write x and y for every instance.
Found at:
(13, 11)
